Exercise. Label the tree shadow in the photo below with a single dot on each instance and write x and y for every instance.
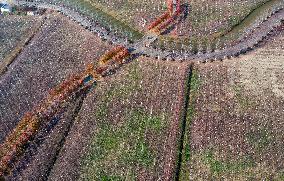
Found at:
(178, 19)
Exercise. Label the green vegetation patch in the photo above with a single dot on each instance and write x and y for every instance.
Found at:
(213, 165)
(122, 148)
(260, 138)
(218, 166)
(117, 151)
(245, 102)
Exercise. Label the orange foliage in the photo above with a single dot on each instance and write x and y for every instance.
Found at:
(170, 5)
(103, 60)
(118, 58)
(12, 146)
(167, 22)
(90, 70)
(100, 70)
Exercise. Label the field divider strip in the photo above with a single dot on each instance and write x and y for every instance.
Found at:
(73, 118)
(183, 123)
(11, 57)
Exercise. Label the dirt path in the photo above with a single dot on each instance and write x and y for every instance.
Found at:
(259, 30)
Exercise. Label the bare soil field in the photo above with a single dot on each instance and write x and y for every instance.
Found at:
(236, 118)
(61, 48)
(128, 126)
(13, 29)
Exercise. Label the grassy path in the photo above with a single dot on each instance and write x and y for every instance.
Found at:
(252, 20)
(108, 19)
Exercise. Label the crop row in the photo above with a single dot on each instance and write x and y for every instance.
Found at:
(137, 130)
(13, 29)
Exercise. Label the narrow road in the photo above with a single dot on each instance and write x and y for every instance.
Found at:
(256, 35)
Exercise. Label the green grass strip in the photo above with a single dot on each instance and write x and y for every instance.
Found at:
(194, 85)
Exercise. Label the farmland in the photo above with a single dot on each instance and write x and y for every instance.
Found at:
(75, 105)
(123, 130)
(204, 18)
(143, 117)
(236, 118)
(12, 30)
(203, 21)
(222, 37)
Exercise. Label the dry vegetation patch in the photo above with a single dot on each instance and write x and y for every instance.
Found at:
(236, 129)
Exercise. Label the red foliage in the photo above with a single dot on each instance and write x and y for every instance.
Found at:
(100, 70)
(90, 70)
(14, 143)
(30, 123)
(159, 20)
(118, 54)
(168, 21)
(178, 7)
(167, 18)
(170, 5)
(90, 67)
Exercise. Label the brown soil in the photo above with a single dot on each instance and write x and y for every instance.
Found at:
(13, 30)
(60, 49)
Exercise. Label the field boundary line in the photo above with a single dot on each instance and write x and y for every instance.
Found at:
(12, 56)
(183, 120)
(74, 116)
(22, 44)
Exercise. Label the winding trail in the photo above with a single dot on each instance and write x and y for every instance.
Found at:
(249, 39)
